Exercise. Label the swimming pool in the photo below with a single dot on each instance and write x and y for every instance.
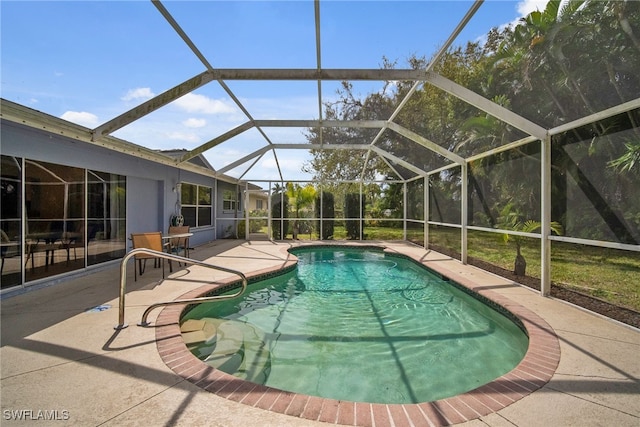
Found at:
(361, 326)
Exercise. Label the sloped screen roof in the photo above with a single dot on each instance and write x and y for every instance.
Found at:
(286, 90)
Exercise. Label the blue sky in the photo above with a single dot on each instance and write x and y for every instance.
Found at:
(89, 61)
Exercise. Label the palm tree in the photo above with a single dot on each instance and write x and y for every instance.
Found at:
(302, 197)
(630, 160)
(513, 220)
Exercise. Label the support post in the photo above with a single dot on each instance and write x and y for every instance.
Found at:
(463, 214)
(361, 216)
(269, 217)
(404, 210)
(426, 211)
(321, 229)
(246, 211)
(545, 213)
(216, 206)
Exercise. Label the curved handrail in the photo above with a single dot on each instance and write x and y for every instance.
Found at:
(123, 285)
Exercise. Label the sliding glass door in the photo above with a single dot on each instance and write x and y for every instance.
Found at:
(56, 219)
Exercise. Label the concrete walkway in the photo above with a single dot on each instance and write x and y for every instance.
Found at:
(62, 361)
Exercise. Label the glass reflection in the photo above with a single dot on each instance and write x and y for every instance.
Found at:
(54, 204)
(105, 234)
(11, 220)
(65, 228)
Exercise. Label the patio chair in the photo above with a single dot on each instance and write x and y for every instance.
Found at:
(43, 237)
(151, 241)
(9, 248)
(75, 240)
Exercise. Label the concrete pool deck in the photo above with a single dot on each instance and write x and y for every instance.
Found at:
(62, 359)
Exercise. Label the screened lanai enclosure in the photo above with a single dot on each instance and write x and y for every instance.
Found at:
(515, 144)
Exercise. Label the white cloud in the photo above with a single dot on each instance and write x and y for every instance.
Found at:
(269, 163)
(81, 118)
(194, 103)
(194, 123)
(283, 107)
(223, 158)
(522, 8)
(290, 162)
(138, 93)
(180, 136)
(525, 7)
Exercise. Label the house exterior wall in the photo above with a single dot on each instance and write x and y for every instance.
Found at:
(151, 191)
(149, 205)
(255, 197)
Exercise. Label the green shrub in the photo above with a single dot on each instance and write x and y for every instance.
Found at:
(328, 211)
(279, 211)
(352, 209)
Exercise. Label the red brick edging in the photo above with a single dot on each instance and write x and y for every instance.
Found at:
(534, 371)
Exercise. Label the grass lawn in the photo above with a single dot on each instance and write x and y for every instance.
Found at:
(371, 233)
(609, 274)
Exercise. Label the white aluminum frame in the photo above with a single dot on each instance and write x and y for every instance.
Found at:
(101, 135)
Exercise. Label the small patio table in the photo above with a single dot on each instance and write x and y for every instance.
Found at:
(168, 238)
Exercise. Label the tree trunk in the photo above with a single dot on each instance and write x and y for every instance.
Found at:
(520, 265)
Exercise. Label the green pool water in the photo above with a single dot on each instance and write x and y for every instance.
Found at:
(360, 326)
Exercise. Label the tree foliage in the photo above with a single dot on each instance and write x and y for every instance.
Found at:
(279, 211)
(511, 219)
(353, 209)
(326, 210)
(565, 62)
(300, 199)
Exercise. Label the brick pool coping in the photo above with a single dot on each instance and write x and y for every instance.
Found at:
(533, 372)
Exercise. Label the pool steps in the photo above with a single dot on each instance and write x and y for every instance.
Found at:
(535, 370)
(214, 342)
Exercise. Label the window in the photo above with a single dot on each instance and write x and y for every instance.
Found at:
(259, 205)
(196, 205)
(10, 220)
(105, 232)
(72, 217)
(229, 202)
(54, 202)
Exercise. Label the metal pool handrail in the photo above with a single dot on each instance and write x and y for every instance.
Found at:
(143, 322)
